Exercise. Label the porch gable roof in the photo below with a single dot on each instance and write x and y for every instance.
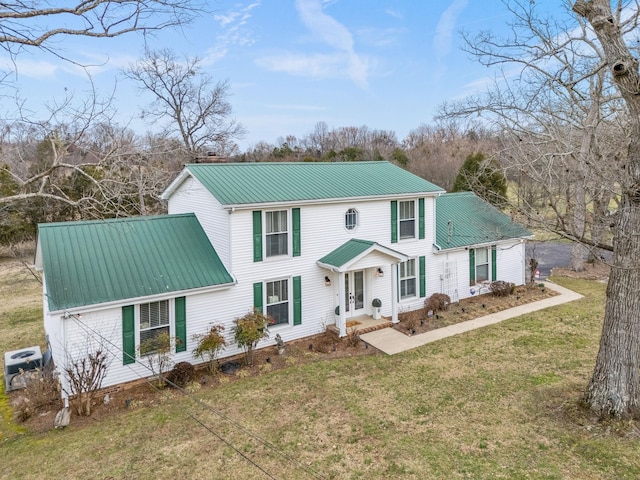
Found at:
(353, 250)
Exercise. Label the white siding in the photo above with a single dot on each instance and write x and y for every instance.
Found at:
(193, 197)
(322, 231)
(510, 266)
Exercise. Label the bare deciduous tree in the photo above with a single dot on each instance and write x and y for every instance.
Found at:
(195, 109)
(32, 23)
(568, 110)
(614, 388)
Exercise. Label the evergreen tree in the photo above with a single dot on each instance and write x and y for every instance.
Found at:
(483, 177)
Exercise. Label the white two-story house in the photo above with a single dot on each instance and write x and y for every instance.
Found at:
(311, 244)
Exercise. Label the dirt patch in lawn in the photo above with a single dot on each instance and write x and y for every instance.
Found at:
(421, 321)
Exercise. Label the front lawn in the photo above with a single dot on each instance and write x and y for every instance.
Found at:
(500, 402)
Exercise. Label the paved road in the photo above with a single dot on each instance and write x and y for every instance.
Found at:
(552, 254)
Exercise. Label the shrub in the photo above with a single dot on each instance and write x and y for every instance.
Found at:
(209, 345)
(42, 387)
(412, 319)
(85, 376)
(500, 288)
(181, 374)
(353, 337)
(437, 302)
(249, 330)
(157, 352)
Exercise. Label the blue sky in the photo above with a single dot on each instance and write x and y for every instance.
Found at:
(293, 63)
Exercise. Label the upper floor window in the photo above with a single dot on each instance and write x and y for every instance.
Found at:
(277, 235)
(407, 278)
(407, 219)
(351, 219)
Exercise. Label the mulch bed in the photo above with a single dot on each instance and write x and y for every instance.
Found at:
(420, 321)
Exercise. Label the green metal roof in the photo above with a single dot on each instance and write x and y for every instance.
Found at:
(351, 249)
(274, 182)
(464, 219)
(93, 262)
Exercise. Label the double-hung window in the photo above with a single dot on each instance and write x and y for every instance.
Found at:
(407, 278)
(153, 320)
(482, 265)
(278, 301)
(277, 234)
(407, 219)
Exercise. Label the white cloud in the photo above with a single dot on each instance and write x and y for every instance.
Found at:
(334, 34)
(30, 68)
(443, 39)
(332, 65)
(234, 32)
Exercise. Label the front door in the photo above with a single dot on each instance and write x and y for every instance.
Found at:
(354, 293)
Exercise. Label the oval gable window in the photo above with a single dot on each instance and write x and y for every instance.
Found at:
(351, 219)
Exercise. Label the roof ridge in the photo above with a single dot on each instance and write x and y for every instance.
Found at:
(114, 220)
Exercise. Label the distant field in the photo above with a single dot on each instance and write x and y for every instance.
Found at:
(493, 403)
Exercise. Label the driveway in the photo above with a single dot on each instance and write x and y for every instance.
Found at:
(552, 254)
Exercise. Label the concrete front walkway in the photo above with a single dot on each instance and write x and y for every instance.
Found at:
(391, 341)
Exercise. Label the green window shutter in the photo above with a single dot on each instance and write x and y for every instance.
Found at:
(297, 300)
(423, 277)
(472, 266)
(257, 236)
(494, 263)
(394, 221)
(257, 296)
(295, 220)
(421, 218)
(128, 335)
(181, 324)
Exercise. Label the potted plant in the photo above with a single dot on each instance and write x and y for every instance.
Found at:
(376, 304)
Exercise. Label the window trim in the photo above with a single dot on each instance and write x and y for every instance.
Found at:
(353, 212)
(410, 219)
(487, 264)
(138, 319)
(288, 232)
(406, 279)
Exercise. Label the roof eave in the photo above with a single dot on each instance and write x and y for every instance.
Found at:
(173, 186)
(143, 299)
(320, 201)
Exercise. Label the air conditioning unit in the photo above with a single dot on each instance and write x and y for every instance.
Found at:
(24, 359)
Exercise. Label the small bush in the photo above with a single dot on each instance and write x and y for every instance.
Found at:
(209, 345)
(41, 387)
(249, 330)
(437, 302)
(353, 337)
(500, 288)
(412, 319)
(181, 374)
(323, 343)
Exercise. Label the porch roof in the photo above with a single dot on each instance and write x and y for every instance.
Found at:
(353, 250)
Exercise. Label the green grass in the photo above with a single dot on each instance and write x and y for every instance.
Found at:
(500, 402)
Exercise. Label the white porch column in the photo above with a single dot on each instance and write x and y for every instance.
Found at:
(394, 293)
(342, 318)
